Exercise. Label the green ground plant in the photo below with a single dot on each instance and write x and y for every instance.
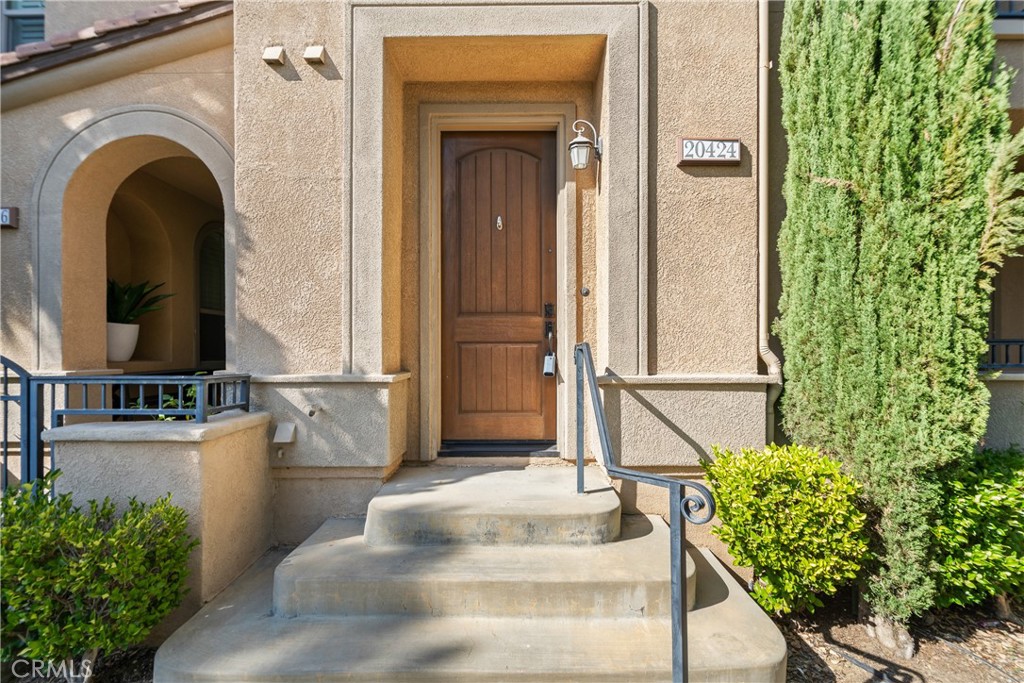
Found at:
(902, 203)
(791, 514)
(980, 533)
(76, 581)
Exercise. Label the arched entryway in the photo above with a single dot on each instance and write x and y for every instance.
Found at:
(126, 197)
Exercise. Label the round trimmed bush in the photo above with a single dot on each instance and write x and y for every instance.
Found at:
(791, 514)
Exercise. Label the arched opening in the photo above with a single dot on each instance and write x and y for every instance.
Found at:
(157, 216)
(169, 172)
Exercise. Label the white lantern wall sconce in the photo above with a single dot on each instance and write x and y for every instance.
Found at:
(581, 146)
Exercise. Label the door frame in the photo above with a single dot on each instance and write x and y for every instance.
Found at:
(435, 119)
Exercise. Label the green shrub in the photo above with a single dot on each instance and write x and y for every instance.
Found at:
(74, 581)
(791, 514)
(980, 534)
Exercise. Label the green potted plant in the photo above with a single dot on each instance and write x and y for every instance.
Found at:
(125, 303)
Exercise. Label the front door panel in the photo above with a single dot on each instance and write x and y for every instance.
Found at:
(498, 272)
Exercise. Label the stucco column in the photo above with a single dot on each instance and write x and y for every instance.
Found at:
(367, 260)
(618, 248)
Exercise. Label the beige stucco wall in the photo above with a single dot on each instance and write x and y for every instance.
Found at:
(217, 472)
(350, 436)
(292, 293)
(704, 246)
(71, 15)
(1006, 411)
(199, 86)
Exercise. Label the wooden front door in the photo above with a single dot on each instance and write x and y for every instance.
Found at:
(498, 274)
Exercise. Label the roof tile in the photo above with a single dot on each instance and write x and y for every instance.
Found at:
(68, 37)
(107, 25)
(31, 49)
(189, 4)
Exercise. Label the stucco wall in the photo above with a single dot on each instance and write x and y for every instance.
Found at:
(704, 241)
(71, 15)
(1006, 411)
(350, 436)
(216, 472)
(33, 134)
(292, 292)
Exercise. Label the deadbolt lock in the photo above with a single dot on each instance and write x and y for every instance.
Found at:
(549, 310)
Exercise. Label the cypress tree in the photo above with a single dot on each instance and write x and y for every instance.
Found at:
(902, 203)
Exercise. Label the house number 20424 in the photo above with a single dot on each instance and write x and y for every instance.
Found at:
(702, 151)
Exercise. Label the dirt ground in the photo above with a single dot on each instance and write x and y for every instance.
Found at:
(956, 646)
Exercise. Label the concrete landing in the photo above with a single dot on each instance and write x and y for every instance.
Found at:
(492, 506)
(235, 638)
(335, 573)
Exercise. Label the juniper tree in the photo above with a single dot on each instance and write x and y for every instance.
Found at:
(902, 203)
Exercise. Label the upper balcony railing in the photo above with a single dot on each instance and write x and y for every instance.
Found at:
(1005, 354)
(1009, 9)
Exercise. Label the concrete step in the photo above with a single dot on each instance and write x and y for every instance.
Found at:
(492, 506)
(335, 573)
(236, 638)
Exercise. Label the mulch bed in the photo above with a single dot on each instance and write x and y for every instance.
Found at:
(954, 646)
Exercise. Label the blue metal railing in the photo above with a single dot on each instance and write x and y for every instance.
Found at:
(696, 508)
(1004, 354)
(21, 380)
(45, 401)
(1009, 9)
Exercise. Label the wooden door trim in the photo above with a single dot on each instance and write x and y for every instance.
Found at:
(434, 120)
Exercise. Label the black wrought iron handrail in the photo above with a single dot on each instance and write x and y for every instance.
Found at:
(45, 401)
(696, 508)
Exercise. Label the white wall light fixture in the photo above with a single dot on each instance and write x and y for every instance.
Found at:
(581, 145)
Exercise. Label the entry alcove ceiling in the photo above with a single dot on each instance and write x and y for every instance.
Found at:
(496, 58)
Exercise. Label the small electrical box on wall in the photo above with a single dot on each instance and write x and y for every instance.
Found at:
(8, 217)
(707, 152)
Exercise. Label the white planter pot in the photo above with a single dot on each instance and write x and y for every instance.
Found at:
(121, 340)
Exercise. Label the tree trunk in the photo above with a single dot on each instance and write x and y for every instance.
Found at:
(892, 636)
(1005, 611)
